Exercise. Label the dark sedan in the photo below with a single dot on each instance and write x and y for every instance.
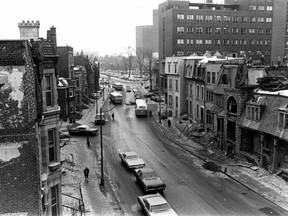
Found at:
(81, 129)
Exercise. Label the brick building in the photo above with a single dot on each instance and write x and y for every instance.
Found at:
(235, 28)
(29, 119)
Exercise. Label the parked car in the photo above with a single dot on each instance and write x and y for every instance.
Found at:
(157, 98)
(149, 94)
(98, 119)
(149, 180)
(128, 88)
(131, 160)
(63, 135)
(82, 129)
(132, 102)
(155, 204)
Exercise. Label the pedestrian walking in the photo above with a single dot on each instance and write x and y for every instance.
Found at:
(88, 142)
(169, 122)
(86, 174)
(150, 112)
(113, 116)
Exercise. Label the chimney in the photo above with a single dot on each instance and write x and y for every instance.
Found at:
(29, 30)
(51, 35)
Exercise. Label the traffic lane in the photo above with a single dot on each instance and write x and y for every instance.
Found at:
(211, 195)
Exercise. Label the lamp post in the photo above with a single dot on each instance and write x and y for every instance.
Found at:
(102, 168)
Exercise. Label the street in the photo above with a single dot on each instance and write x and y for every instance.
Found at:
(191, 190)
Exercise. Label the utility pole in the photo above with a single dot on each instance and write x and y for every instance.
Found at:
(102, 168)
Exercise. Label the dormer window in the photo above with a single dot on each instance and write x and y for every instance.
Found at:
(224, 79)
(169, 66)
(283, 118)
(175, 66)
(253, 112)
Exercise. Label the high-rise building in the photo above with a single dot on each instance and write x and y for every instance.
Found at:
(144, 37)
(233, 27)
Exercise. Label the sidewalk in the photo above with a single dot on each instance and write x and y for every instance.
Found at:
(269, 186)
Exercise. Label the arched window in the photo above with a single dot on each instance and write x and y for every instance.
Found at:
(232, 105)
(224, 79)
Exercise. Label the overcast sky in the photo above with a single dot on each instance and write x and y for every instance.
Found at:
(105, 26)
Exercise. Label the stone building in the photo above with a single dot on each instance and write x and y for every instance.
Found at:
(29, 121)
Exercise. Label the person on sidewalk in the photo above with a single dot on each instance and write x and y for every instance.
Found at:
(113, 116)
(169, 122)
(150, 112)
(86, 174)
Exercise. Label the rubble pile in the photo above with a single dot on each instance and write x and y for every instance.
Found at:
(273, 83)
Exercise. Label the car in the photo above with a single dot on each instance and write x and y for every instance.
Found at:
(135, 90)
(155, 204)
(149, 180)
(132, 102)
(113, 85)
(82, 129)
(157, 98)
(131, 160)
(63, 135)
(128, 88)
(98, 119)
(149, 94)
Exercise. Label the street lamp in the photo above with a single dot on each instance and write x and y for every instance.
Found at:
(101, 145)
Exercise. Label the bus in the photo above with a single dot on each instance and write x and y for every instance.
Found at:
(116, 98)
(118, 86)
(141, 108)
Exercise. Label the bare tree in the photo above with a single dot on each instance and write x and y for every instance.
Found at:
(140, 58)
(149, 64)
(127, 59)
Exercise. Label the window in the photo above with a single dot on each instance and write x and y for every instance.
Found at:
(208, 77)
(268, 20)
(283, 120)
(208, 42)
(268, 31)
(226, 19)
(253, 113)
(261, 8)
(269, 9)
(198, 91)
(259, 43)
(260, 31)
(243, 42)
(170, 100)
(225, 42)
(235, 30)
(199, 30)
(213, 77)
(199, 18)
(175, 66)
(199, 42)
(180, 53)
(226, 30)
(253, 20)
(180, 17)
(224, 79)
(252, 8)
(244, 19)
(218, 18)
(170, 84)
(52, 145)
(234, 42)
(176, 86)
(169, 67)
(189, 30)
(209, 96)
(208, 30)
(251, 31)
(55, 201)
(208, 18)
(251, 42)
(176, 101)
(180, 30)
(217, 30)
(235, 19)
(202, 92)
(217, 42)
(48, 90)
(191, 108)
(190, 42)
(243, 31)
(197, 111)
(260, 19)
(190, 18)
(191, 89)
(209, 117)
(71, 92)
(180, 42)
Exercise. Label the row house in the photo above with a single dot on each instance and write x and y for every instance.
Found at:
(29, 125)
(264, 130)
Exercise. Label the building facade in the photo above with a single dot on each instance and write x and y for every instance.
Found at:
(144, 37)
(30, 159)
(234, 28)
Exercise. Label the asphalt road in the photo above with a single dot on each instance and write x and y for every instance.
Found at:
(190, 190)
